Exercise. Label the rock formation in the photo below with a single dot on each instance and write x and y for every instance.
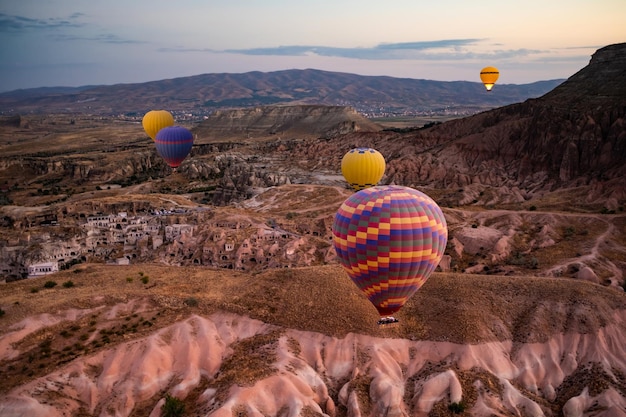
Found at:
(486, 346)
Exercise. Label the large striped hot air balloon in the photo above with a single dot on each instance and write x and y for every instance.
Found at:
(489, 76)
(362, 167)
(389, 240)
(174, 143)
(155, 120)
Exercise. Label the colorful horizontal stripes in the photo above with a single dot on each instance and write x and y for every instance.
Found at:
(389, 239)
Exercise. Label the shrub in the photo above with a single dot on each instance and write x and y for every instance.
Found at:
(457, 408)
(191, 302)
(50, 284)
(145, 279)
(34, 290)
(569, 232)
(173, 407)
(68, 284)
(2, 312)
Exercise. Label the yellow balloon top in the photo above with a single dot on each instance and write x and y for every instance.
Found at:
(363, 167)
(155, 120)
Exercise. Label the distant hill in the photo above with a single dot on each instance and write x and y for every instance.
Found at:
(201, 94)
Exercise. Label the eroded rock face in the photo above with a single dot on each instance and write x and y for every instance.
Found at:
(521, 149)
(284, 122)
(247, 366)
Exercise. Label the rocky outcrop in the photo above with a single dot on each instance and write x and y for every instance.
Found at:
(244, 366)
(96, 169)
(283, 122)
(572, 136)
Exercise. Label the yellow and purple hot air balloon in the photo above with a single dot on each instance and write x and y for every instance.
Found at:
(389, 240)
(173, 143)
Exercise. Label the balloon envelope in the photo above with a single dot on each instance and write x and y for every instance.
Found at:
(174, 143)
(362, 167)
(155, 120)
(389, 240)
(489, 76)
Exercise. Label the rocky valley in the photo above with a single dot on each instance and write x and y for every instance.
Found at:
(226, 267)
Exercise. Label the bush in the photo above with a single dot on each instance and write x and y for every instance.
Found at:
(2, 312)
(191, 302)
(457, 408)
(145, 279)
(173, 407)
(68, 284)
(50, 284)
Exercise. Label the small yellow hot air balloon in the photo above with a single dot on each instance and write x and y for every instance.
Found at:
(362, 167)
(155, 120)
(489, 76)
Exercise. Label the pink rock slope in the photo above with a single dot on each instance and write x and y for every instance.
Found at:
(224, 365)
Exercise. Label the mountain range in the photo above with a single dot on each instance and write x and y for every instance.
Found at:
(201, 94)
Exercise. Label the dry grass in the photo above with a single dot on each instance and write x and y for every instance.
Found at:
(454, 307)
(63, 137)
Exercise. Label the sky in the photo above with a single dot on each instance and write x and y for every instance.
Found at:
(48, 43)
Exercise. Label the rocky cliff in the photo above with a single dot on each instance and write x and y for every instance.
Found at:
(572, 137)
(283, 122)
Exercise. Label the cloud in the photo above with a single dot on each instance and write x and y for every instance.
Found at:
(12, 23)
(102, 38)
(184, 49)
(454, 49)
(425, 45)
(55, 28)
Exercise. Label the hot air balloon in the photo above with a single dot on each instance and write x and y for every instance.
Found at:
(155, 120)
(362, 167)
(173, 143)
(489, 76)
(389, 239)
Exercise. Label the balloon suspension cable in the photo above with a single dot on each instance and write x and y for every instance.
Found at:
(385, 321)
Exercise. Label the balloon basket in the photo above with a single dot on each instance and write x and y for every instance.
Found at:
(389, 321)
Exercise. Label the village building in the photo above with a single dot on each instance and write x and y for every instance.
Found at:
(41, 269)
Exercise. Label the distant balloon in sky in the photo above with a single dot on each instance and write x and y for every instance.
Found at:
(362, 167)
(155, 120)
(389, 239)
(489, 76)
(174, 143)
